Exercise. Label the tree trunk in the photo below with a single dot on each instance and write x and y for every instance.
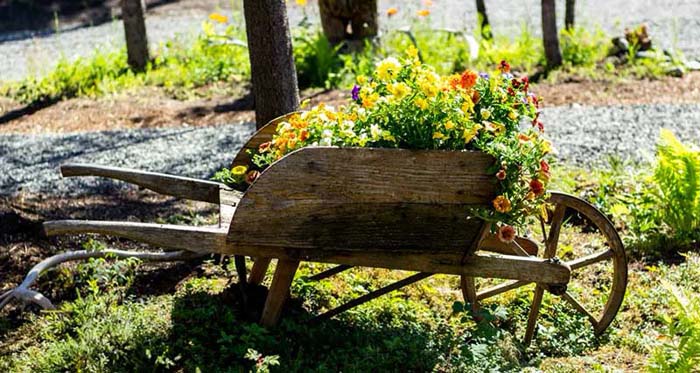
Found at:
(359, 17)
(135, 33)
(484, 24)
(570, 14)
(550, 36)
(272, 68)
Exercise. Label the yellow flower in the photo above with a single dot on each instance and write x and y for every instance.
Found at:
(388, 69)
(399, 90)
(239, 170)
(469, 134)
(421, 103)
(423, 12)
(217, 17)
(368, 99)
(412, 52)
(546, 147)
(391, 11)
(301, 2)
(449, 125)
(513, 115)
(502, 204)
(495, 127)
(485, 114)
(439, 135)
(361, 79)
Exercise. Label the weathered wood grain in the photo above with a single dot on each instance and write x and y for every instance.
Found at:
(177, 186)
(195, 239)
(262, 135)
(279, 291)
(347, 197)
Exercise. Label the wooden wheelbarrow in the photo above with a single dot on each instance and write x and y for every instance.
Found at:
(389, 208)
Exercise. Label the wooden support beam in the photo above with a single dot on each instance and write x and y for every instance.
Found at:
(375, 294)
(177, 186)
(259, 270)
(330, 272)
(179, 237)
(279, 291)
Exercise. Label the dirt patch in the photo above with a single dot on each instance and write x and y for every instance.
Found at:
(146, 108)
(666, 90)
(151, 107)
(23, 244)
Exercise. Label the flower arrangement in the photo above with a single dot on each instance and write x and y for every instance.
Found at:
(405, 104)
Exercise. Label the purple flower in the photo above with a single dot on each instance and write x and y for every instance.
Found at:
(356, 92)
(484, 76)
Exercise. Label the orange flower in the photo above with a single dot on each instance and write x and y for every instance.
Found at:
(251, 176)
(423, 12)
(502, 204)
(264, 147)
(523, 137)
(468, 79)
(391, 11)
(536, 187)
(217, 17)
(303, 135)
(501, 174)
(506, 233)
(476, 97)
(427, 3)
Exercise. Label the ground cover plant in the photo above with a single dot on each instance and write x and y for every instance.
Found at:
(217, 57)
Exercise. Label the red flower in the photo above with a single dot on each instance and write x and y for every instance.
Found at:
(264, 147)
(504, 66)
(526, 83)
(544, 166)
(506, 234)
(538, 123)
(511, 91)
(251, 176)
(515, 83)
(501, 174)
(537, 187)
(476, 97)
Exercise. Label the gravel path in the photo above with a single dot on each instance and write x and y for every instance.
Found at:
(582, 135)
(673, 23)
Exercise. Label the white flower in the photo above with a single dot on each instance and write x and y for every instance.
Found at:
(375, 131)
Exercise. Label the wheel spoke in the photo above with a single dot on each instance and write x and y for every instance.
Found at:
(517, 249)
(555, 228)
(501, 288)
(544, 231)
(534, 313)
(590, 259)
(580, 308)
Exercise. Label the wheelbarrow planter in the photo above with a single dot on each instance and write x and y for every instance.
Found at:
(389, 208)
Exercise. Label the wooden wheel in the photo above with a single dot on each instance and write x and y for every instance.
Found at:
(585, 239)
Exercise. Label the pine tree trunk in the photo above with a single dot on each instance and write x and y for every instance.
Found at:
(484, 24)
(570, 14)
(271, 61)
(550, 35)
(133, 15)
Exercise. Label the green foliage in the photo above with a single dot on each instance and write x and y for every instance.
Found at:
(677, 176)
(317, 61)
(580, 47)
(680, 349)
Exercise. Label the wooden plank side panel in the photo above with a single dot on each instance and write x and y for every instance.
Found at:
(355, 226)
(376, 175)
(345, 198)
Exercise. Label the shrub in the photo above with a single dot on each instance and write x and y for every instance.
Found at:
(680, 349)
(580, 47)
(677, 176)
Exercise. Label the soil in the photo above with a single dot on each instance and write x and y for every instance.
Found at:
(151, 107)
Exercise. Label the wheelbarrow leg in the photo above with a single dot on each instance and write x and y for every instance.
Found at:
(279, 291)
(259, 270)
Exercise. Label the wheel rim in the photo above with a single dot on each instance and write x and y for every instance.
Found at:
(612, 254)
